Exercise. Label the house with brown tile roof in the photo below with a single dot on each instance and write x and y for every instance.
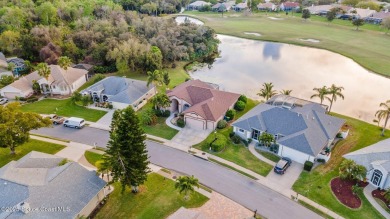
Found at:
(60, 82)
(201, 103)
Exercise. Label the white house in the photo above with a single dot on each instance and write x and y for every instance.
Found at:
(59, 82)
(201, 103)
(301, 129)
(121, 92)
(376, 159)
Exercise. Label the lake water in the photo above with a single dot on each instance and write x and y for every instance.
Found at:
(182, 19)
(244, 65)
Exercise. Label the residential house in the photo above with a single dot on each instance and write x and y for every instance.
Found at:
(378, 17)
(4, 71)
(197, 5)
(121, 92)
(224, 6)
(376, 159)
(266, 6)
(319, 9)
(84, 66)
(19, 65)
(301, 129)
(289, 6)
(201, 103)
(240, 6)
(39, 181)
(361, 13)
(59, 82)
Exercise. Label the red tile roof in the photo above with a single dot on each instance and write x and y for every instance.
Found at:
(205, 100)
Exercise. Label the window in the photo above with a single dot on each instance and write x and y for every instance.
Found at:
(241, 130)
(54, 87)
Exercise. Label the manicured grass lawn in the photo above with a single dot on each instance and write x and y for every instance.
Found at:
(177, 75)
(238, 154)
(316, 184)
(63, 108)
(249, 105)
(269, 155)
(160, 129)
(158, 198)
(367, 47)
(92, 157)
(31, 145)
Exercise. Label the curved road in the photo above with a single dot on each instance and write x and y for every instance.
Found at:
(241, 189)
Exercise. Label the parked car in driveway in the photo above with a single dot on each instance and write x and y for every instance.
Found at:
(282, 165)
(74, 122)
(56, 119)
(3, 101)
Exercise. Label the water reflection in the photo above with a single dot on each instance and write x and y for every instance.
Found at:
(242, 68)
(272, 50)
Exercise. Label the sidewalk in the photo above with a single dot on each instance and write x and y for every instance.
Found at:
(256, 154)
(367, 192)
(168, 122)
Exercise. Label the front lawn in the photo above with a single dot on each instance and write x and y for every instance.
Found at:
(249, 105)
(63, 108)
(237, 154)
(269, 155)
(158, 198)
(31, 145)
(316, 184)
(92, 157)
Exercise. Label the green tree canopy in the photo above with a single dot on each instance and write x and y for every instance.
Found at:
(267, 91)
(384, 114)
(306, 14)
(334, 92)
(321, 93)
(349, 170)
(266, 139)
(358, 22)
(15, 125)
(126, 152)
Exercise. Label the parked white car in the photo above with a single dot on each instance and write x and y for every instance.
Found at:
(74, 122)
(3, 101)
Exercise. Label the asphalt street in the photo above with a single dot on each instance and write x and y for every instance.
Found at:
(233, 185)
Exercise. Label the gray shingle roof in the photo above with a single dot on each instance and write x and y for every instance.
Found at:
(304, 128)
(122, 90)
(70, 186)
(377, 152)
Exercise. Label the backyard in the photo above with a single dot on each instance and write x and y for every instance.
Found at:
(316, 184)
(63, 108)
(157, 198)
(31, 145)
(339, 36)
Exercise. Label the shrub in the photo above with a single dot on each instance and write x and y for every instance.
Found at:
(239, 106)
(180, 122)
(231, 134)
(308, 165)
(230, 114)
(319, 160)
(243, 98)
(32, 99)
(221, 124)
(249, 140)
(22, 99)
(85, 100)
(162, 113)
(245, 142)
(110, 106)
(148, 117)
(219, 143)
(236, 139)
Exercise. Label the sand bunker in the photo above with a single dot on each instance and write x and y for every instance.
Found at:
(310, 40)
(276, 18)
(251, 33)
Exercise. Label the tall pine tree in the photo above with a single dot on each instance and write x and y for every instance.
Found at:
(126, 154)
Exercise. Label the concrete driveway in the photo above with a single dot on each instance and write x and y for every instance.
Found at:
(286, 180)
(105, 121)
(188, 137)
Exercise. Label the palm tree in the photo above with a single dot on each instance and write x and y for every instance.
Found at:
(154, 77)
(335, 92)
(321, 93)
(384, 114)
(186, 184)
(266, 92)
(104, 169)
(346, 169)
(44, 71)
(161, 100)
(286, 92)
(65, 62)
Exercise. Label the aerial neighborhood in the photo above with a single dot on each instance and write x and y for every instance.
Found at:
(195, 109)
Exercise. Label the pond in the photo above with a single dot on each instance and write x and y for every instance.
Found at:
(244, 65)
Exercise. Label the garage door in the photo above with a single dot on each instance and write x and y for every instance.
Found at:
(194, 124)
(11, 95)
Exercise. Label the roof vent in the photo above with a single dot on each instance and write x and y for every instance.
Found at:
(23, 207)
(313, 118)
